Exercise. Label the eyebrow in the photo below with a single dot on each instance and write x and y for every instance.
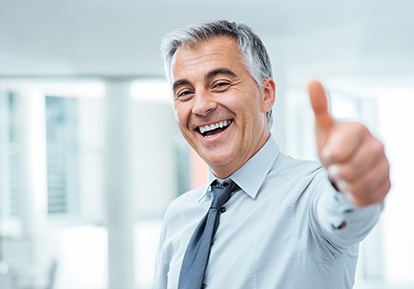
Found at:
(220, 70)
(179, 83)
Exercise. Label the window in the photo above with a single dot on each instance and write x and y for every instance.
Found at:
(74, 146)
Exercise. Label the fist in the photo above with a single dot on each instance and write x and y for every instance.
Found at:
(354, 158)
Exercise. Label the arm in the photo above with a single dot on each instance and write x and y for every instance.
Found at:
(358, 171)
(338, 220)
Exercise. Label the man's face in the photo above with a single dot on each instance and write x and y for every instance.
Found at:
(220, 109)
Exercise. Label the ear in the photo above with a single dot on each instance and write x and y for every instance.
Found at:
(268, 94)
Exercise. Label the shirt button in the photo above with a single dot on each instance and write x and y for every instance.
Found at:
(222, 209)
(203, 286)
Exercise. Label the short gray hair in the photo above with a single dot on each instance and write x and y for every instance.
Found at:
(252, 49)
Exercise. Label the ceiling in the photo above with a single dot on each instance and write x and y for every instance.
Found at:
(121, 38)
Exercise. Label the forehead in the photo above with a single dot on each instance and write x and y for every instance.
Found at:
(206, 55)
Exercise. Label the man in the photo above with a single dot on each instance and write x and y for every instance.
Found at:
(291, 224)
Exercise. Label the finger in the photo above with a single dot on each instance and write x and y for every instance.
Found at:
(369, 186)
(345, 140)
(370, 189)
(358, 157)
(319, 103)
(364, 176)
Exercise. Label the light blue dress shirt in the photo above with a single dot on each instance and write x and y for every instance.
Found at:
(280, 231)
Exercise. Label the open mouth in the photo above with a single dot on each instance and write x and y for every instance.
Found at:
(213, 129)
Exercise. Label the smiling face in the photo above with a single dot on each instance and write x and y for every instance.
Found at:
(220, 109)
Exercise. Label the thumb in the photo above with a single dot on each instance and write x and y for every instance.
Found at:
(323, 120)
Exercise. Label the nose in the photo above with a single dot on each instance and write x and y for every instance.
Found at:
(203, 103)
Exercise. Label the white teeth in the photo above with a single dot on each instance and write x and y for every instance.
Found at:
(207, 128)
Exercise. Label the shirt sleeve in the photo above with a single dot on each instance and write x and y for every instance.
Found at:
(340, 222)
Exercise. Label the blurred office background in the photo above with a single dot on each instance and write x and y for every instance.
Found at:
(90, 155)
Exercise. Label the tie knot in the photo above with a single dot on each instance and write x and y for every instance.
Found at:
(222, 193)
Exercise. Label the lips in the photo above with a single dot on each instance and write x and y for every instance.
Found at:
(213, 129)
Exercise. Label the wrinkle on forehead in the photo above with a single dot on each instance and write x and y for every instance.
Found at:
(219, 49)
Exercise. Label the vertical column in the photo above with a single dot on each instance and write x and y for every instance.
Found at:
(31, 141)
(372, 262)
(154, 153)
(4, 159)
(4, 164)
(120, 217)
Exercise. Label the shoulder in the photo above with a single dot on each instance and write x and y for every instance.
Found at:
(291, 168)
(185, 202)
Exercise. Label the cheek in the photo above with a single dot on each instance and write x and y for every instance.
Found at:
(181, 114)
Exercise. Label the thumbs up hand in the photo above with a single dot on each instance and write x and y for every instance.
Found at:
(355, 159)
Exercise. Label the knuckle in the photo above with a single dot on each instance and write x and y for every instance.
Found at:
(335, 154)
(345, 174)
(377, 147)
(360, 128)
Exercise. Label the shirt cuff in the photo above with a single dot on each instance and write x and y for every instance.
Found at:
(344, 222)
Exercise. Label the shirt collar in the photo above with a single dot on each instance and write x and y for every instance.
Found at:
(252, 174)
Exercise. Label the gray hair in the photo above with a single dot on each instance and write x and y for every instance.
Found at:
(252, 49)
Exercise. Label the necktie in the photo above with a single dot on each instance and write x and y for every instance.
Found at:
(198, 249)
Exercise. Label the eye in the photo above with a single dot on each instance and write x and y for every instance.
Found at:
(183, 94)
(221, 85)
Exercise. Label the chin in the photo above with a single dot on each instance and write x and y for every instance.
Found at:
(217, 161)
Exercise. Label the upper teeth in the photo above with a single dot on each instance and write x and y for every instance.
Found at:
(221, 124)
